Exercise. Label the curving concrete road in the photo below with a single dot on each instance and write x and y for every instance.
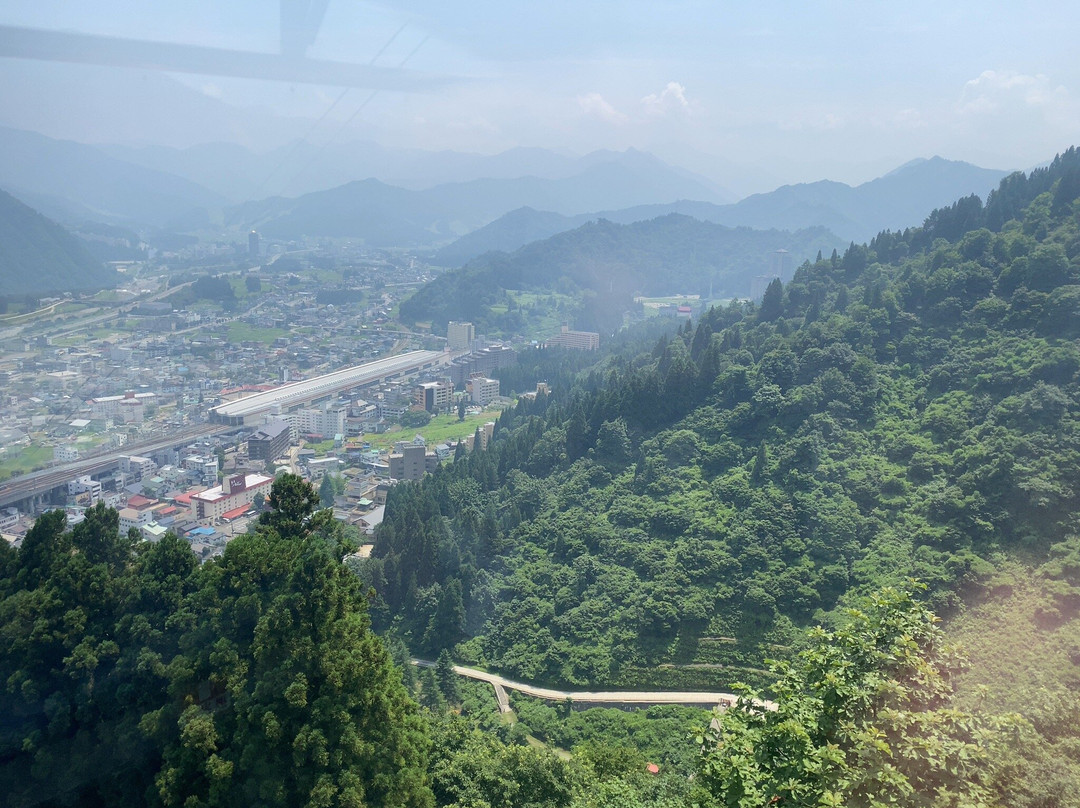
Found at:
(624, 698)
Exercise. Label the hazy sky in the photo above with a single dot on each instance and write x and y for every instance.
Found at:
(800, 90)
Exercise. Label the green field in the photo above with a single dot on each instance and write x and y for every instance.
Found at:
(241, 332)
(441, 429)
(24, 460)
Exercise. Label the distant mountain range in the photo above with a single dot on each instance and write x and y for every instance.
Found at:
(37, 255)
(81, 180)
(902, 198)
(485, 205)
(385, 215)
(192, 189)
(300, 167)
(604, 265)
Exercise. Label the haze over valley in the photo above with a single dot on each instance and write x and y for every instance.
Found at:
(544, 406)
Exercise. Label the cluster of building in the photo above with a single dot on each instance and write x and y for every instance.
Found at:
(411, 461)
(154, 500)
(578, 340)
(156, 370)
(156, 367)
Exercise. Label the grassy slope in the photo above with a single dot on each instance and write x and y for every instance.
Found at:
(1024, 657)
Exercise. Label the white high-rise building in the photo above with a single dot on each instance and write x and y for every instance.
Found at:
(459, 336)
(483, 391)
(328, 419)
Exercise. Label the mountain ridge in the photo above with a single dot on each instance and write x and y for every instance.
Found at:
(608, 264)
(112, 189)
(37, 255)
(855, 213)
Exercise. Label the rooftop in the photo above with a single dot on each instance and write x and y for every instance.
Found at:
(216, 493)
(235, 512)
(298, 392)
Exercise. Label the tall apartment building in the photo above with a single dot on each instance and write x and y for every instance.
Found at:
(482, 390)
(138, 467)
(65, 454)
(412, 462)
(327, 419)
(270, 441)
(85, 485)
(459, 336)
(781, 265)
(435, 396)
(578, 340)
(483, 362)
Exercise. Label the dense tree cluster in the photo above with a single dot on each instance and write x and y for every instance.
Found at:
(214, 288)
(864, 718)
(604, 265)
(903, 409)
(670, 517)
(133, 676)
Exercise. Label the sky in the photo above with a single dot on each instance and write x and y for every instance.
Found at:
(785, 91)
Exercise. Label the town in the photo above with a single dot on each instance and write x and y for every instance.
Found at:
(178, 397)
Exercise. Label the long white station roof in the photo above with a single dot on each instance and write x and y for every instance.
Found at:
(296, 392)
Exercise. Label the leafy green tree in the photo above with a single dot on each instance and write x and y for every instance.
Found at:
(292, 503)
(444, 629)
(415, 419)
(430, 694)
(613, 445)
(862, 719)
(473, 768)
(98, 536)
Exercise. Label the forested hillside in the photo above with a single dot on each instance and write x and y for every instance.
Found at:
(672, 517)
(907, 409)
(605, 265)
(37, 255)
(130, 675)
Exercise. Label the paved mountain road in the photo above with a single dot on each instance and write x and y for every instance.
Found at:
(624, 698)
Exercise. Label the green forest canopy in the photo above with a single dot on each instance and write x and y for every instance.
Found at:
(670, 518)
(606, 265)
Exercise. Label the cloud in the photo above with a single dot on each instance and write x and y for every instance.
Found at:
(996, 91)
(671, 98)
(594, 105)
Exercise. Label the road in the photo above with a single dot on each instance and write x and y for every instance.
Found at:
(294, 452)
(77, 324)
(592, 698)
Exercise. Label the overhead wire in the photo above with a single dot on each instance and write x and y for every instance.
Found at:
(318, 154)
(297, 144)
